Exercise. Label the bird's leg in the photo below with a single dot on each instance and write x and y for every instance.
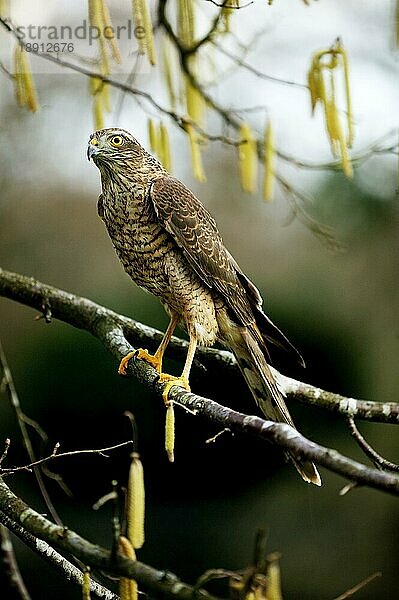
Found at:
(181, 381)
(154, 359)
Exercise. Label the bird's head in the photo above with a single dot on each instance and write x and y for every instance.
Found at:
(115, 148)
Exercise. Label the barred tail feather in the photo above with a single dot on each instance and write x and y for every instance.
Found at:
(267, 393)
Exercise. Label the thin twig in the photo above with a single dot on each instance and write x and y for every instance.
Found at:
(21, 418)
(54, 455)
(213, 439)
(349, 593)
(11, 568)
(241, 63)
(5, 451)
(377, 459)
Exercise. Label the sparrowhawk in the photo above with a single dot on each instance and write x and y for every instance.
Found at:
(169, 244)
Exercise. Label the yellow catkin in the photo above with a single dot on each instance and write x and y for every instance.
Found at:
(25, 90)
(153, 136)
(149, 36)
(274, 581)
(349, 115)
(127, 587)
(333, 125)
(86, 585)
(329, 61)
(142, 19)
(135, 503)
(248, 160)
(168, 66)
(337, 137)
(98, 112)
(106, 96)
(4, 7)
(109, 33)
(226, 19)
(185, 22)
(260, 593)
(138, 18)
(195, 103)
(96, 20)
(19, 91)
(314, 84)
(170, 432)
(196, 159)
(164, 145)
(269, 161)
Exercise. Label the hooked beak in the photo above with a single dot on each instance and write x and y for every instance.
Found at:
(92, 148)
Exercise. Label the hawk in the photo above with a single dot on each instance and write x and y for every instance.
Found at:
(169, 244)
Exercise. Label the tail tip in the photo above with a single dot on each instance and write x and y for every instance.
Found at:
(308, 472)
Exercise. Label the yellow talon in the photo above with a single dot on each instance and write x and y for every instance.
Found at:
(152, 359)
(124, 363)
(172, 382)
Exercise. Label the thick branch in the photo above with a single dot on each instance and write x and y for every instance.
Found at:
(85, 314)
(160, 582)
(56, 560)
(110, 327)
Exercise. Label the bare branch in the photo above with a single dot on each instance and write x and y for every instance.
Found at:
(353, 590)
(85, 314)
(233, 7)
(53, 558)
(5, 451)
(113, 331)
(21, 418)
(377, 459)
(11, 566)
(241, 63)
(367, 410)
(54, 455)
(163, 583)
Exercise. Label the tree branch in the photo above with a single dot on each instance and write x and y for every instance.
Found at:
(11, 566)
(379, 461)
(56, 560)
(160, 582)
(85, 314)
(55, 455)
(113, 331)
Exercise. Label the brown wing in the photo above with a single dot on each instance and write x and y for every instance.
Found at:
(195, 231)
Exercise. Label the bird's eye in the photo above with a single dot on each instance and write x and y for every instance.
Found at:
(117, 141)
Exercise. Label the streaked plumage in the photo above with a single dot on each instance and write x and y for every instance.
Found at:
(169, 244)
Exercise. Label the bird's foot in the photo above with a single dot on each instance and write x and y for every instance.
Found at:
(152, 359)
(172, 381)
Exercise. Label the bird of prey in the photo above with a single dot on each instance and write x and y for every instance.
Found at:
(169, 244)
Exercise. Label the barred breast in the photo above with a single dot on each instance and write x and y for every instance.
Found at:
(152, 259)
(140, 242)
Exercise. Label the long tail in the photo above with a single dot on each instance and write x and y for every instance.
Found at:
(266, 392)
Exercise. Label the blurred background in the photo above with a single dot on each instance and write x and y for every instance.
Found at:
(340, 308)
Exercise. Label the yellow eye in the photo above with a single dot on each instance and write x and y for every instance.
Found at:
(117, 141)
